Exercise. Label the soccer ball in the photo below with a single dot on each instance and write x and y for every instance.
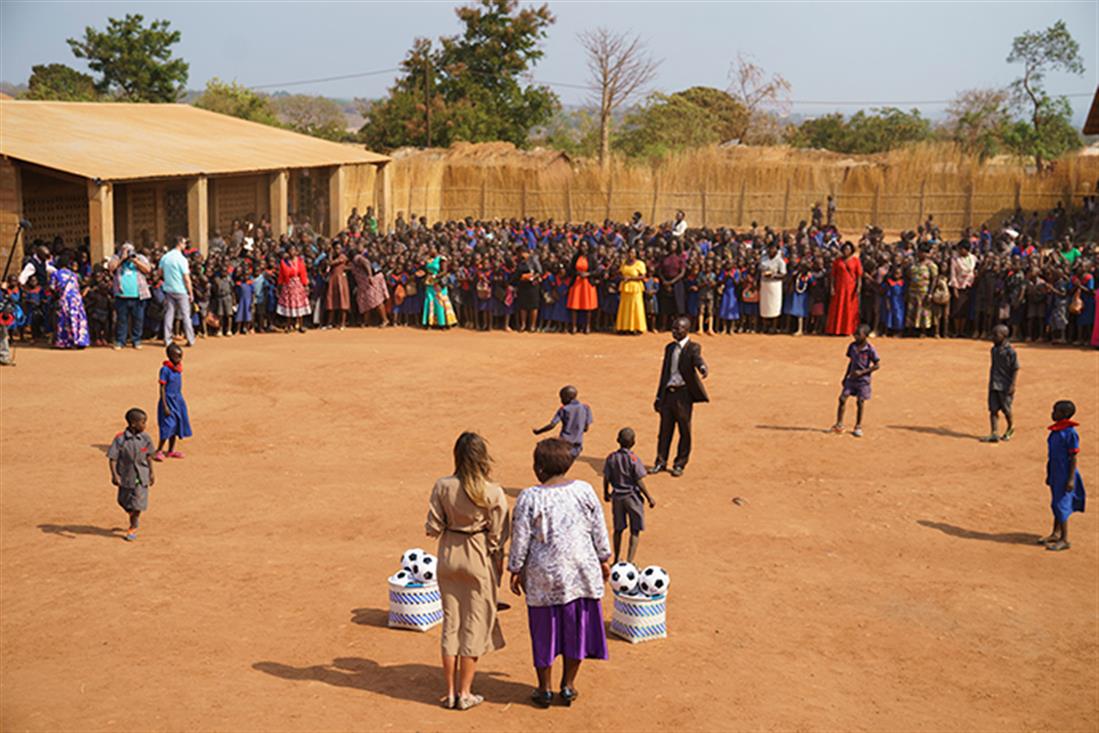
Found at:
(402, 578)
(426, 568)
(624, 577)
(411, 557)
(654, 581)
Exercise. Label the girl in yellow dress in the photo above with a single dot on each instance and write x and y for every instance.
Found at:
(631, 306)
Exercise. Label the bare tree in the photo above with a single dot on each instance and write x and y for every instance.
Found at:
(763, 97)
(621, 67)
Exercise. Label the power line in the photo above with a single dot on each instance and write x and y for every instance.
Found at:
(324, 79)
(588, 88)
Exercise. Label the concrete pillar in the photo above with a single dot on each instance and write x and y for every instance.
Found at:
(278, 191)
(337, 212)
(198, 215)
(383, 195)
(101, 221)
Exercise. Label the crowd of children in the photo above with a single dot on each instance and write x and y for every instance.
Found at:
(1036, 276)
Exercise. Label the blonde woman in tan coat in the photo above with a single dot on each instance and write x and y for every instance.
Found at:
(469, 515)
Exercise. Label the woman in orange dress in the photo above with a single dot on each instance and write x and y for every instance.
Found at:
(843, 310)
(582, 295)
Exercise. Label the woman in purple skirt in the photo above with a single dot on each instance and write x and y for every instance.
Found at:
(560, 558)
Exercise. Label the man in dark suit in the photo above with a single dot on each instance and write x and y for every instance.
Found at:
(680, 387)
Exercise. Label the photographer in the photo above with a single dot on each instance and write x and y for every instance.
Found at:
(131, 292)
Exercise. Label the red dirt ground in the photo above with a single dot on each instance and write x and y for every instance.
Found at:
(882, 583)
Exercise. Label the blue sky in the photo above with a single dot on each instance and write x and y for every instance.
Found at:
(873, 52)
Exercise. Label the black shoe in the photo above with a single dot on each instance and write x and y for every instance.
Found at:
(542, 698)
(568, 695)
(677, 472)
(658, 468)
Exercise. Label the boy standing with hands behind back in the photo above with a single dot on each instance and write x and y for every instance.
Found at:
(1001, 384)
(624, 487)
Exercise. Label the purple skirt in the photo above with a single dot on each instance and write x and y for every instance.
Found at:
(574, 630)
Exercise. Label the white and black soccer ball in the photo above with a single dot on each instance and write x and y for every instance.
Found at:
(624, 577)
(426, 569)
(411, 557)
(402, 578)
(654, 581)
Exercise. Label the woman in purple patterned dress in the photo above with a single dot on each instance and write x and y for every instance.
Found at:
(72, 321)
(560, 558)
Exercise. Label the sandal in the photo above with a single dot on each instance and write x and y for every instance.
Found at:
(991, 438)
(1007, 434)
(542, 698)
(568, 694)
(131, 536)
(159, 457)
(465, 702)
(857, 432)
(175, 454)
(448, 701)
(837, 428)
(1058, 546)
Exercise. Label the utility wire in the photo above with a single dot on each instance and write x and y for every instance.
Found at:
(588, 88)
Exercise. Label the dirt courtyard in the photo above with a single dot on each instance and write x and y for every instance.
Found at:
(883, 583)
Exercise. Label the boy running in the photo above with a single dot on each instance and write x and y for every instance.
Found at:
(862, 362)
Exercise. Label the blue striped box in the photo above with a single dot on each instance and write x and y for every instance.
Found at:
(639, 618)
(418, 607)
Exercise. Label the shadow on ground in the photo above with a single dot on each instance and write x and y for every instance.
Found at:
(70, 531)
(413, 682)
(1007, 538)
(927, 430)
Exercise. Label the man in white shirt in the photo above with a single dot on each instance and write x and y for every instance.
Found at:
(680, 387)
(39, 264)
(963, 273)
(680, 227)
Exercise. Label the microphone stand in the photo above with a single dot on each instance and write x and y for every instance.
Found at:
(11, 252)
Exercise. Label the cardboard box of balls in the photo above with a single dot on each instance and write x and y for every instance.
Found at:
(640, 602)
(414, 599)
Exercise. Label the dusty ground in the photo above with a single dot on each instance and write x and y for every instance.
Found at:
(887, 583)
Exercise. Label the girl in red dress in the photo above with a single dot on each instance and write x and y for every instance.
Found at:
(582, 294)
(843, 310)
(293, 280)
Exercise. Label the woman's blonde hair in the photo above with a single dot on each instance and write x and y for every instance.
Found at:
(473, 467)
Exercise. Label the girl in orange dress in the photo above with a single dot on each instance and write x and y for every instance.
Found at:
(582, 295)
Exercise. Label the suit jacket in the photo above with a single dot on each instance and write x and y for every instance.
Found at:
(691, 366)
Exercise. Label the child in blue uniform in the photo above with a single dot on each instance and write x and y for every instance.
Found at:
(573, 416)
(171, 411)
(1066, 487)
(131, 471)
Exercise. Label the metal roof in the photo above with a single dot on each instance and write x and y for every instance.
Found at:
(117, 141)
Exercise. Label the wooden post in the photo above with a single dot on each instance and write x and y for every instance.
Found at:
(786, 205)
(610, 191)
(969, 204)
(1018, 194)
(740, 204)
(875, 208)
(410, 212)
(278, 193)
(160, 231)
(484, 195)
(383, 193)
(198, 218)
(100, 221)
(656, 196)
(923, 192)
(336, 216)
(523, 200)
(568, 200)
(702, 194)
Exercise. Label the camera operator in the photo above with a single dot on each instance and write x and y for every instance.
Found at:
(131, 293)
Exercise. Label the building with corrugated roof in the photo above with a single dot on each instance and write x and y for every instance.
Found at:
(1091, 124)
(115, 172)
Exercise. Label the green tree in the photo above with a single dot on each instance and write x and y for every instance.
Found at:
(666, 124)
(1055, 136)
(474, 81)
(134, 62)
(1040, 52)
(977, 120)
(729, 117)
(316, 116)
(875, 132)
(230, 98)
(61, 83)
